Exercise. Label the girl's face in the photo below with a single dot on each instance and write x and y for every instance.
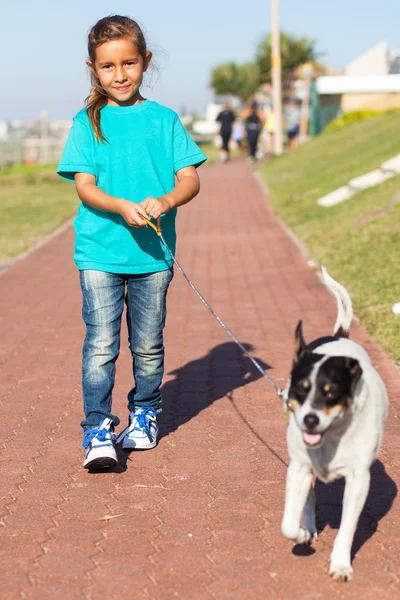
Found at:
(119, 68)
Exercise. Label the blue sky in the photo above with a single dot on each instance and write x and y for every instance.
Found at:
(43, 44)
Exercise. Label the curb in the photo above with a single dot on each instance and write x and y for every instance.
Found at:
(298, 243)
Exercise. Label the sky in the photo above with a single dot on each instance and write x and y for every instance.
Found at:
(43, 44)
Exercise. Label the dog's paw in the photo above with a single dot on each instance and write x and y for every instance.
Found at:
(307, 537)
(341, 572)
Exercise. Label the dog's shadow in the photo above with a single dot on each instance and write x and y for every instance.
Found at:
(382, 493)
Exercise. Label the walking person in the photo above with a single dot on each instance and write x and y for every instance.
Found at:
(226, 118)
(292, 120)
(123, 153)
(238, 133)
(254, 120)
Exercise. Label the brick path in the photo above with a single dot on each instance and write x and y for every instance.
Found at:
(199, 516)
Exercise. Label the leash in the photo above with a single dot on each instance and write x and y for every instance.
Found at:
(157, 229)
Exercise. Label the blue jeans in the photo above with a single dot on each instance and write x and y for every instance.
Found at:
(103, 304)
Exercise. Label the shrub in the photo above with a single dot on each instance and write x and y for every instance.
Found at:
(355, 116)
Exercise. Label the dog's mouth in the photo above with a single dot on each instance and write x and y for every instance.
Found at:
(312, 439)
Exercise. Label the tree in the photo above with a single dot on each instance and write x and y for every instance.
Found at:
(244, 80)
(294, 52)
(237, 80)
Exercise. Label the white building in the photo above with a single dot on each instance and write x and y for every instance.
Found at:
(370, 82)
(375, 61)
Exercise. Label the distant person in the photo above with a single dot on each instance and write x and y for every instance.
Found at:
(226, 118)
(124, 152)
(238, 133)
(292, 120)
(253, 118)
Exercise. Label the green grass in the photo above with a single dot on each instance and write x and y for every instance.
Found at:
(27, 169)
(360, 247)
(34, 201)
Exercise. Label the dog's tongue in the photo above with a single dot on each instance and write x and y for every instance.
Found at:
(312, 439)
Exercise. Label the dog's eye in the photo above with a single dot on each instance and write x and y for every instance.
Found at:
(302, 388)
(329, 391)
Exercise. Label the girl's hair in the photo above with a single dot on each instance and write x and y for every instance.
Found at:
(110, 28)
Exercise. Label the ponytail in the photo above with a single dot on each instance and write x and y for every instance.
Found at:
(94, 103)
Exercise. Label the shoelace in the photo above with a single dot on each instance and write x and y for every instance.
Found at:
(144, 419)
(100, 434)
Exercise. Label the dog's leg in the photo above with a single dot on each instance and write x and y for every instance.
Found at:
(355, 494)
(309, 515)
(298, 484)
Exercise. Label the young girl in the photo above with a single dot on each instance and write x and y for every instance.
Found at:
(123, 152)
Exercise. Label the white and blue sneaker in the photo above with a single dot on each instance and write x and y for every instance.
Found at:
(142, 431)
(99, 444)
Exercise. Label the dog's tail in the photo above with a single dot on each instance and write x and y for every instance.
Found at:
(345, 309)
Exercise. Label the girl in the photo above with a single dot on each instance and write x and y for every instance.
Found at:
(123, 152)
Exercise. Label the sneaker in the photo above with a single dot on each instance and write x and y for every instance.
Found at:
(99, 445)
(142, 431)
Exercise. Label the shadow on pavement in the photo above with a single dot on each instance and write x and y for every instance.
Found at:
(203, 381)
(383, 491)
(196, 386)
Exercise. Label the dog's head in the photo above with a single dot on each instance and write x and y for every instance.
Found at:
(321, 390)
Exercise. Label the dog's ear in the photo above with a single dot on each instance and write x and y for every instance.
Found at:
(355, 372)
(300, 345)
(353, 366)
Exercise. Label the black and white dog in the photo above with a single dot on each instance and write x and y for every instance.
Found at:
(338, 406)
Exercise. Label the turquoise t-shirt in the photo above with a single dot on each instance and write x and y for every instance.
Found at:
(146, 145)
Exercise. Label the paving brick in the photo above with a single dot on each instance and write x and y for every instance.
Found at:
(49, 588)
(18, 549)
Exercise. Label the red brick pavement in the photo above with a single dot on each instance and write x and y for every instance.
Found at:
(199, 516)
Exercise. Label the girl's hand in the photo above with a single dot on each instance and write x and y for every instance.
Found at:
(131, 213)
(156, 206)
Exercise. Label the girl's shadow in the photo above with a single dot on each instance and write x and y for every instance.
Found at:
(197, 385)
(201, 382)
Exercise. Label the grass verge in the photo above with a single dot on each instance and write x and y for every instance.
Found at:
(357, 240)
(34, 202)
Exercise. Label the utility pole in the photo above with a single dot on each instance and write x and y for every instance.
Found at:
(306, 73)
(276, 78)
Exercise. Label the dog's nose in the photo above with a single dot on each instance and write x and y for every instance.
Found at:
(311, 421)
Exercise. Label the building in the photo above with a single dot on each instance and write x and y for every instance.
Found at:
(370, 82)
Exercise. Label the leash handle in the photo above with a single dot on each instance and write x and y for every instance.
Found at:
(157, 228)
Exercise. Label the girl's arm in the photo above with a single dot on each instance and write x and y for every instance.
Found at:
(186, 189)
(89, 193)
